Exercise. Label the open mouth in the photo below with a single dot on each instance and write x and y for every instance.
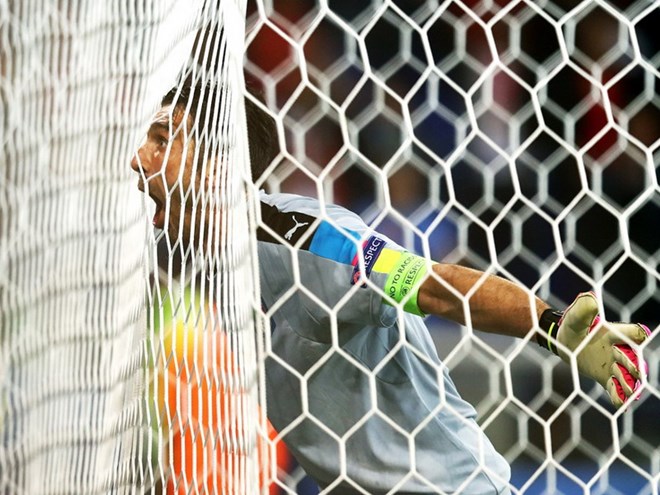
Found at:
(159, 217)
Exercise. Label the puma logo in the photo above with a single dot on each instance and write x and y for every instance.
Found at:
(290, 233)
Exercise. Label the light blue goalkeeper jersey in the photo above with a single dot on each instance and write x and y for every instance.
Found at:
(354, 385)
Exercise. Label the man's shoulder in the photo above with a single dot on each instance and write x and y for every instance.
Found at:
(300, 220)
(282, 212)
(288, 202)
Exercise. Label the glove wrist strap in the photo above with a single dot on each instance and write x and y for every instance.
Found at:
(549, 323)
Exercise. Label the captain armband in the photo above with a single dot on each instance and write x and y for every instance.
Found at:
(404, 280)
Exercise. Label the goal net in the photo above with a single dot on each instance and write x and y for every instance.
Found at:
(520, 138)
(127, 353)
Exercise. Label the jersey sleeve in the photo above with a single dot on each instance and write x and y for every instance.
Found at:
(320, 280)
(337, 266)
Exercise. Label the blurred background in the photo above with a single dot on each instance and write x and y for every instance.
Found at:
(507, 136)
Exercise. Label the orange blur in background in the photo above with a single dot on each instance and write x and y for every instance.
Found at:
(201, 404)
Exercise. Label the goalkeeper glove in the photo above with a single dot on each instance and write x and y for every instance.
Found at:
(607, 356)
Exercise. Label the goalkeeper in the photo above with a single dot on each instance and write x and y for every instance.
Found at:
(363, 401)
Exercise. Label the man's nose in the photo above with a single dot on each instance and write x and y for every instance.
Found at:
(137, 162)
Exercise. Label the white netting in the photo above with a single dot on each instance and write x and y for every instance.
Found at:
(517, 137)
(203, 375)
(117, 375)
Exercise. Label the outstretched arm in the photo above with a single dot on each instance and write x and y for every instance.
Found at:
(606, 352)
(497, 305)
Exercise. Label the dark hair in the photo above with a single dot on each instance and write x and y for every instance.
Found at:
(261, 128)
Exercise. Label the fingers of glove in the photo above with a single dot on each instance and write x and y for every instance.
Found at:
(615, 391)
(581, 315)
(634, 332)
(626, 382)
(630, 359)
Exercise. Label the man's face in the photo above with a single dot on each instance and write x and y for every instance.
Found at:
(165, 163)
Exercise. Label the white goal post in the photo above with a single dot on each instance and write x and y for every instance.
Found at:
(520, 138)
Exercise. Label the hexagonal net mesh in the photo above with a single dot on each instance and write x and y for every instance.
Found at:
(520, 138)
(516, 137)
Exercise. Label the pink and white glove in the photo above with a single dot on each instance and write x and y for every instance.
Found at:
(607, 356)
